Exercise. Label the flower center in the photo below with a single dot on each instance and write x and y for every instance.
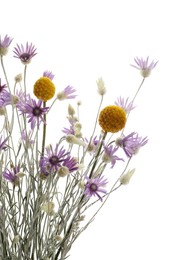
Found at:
(93, 187)
(54, 160)
(36, 111)
(25, 56)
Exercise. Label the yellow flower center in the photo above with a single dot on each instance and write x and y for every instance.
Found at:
(112, 119)
(44, 89)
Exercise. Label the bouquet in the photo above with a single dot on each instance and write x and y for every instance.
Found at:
(50, 193)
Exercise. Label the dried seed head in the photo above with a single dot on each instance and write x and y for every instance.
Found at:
(124, 180)
(71, 110)
(18, 78)
(101, 86)
(71, 139)
(63, 171)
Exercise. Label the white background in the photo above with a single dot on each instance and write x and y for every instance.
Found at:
(83, 40)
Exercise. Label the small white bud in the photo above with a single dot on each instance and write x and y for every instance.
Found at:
(71, 110)
(101, 86)
(71, 139)
(18, 78)
(124, 180)
(63, 171)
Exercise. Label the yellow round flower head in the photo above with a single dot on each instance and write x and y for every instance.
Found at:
(44, 89)
(112, 119)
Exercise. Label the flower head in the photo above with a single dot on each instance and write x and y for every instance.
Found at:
(101, 87)
(44, 88)
(108, 155)
(25, 54)
(53, 159)
(95, 186)
(33, 110)
(112, 119)
(121, 102)
(11, 175)
(144, 66)
(4, 45)
(66, 93)
(48, 74)
(132, 143)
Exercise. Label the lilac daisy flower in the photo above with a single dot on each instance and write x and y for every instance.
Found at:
(6, 99)
(121, 102)
(12, 175)
(26, 137)
(4, 45)
(53, 159)
(25, 54)
(144, 66)
(66, 93)
(70, 163)
(3, 145)
(95, 186)
(132, 143)
(48, 74)
(33, 110)
(108, 155)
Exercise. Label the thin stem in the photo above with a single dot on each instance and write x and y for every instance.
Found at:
(44, 131)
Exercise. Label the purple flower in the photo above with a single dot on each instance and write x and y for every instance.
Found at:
(66, 93)
(11, 175)
(25, 54)
(108, 155)
(144, 66)
(2, 89)
(3, 145)
(121, 102)
(132, 143)
(4, 44)
(70, 130)
(70, 163)
(92, 147)
(48, 74)
(53, 159)
(32, 109)
(95, 186)
(5, 99)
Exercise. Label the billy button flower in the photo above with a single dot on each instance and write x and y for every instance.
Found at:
(112, 119)
(44, 89)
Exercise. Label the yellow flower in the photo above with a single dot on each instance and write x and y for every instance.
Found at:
(112, 119)
(44, 89)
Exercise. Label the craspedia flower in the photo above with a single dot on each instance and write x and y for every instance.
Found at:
(44, 89)
(112, 119)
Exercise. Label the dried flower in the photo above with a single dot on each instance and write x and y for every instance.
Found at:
(144, 66)
(48, 74)
(18, 78)
(112, 119)
(125, 178)
(121, 102)
(11, 175)
(25, 54)
(4, 45)
(108, 155)
(44, 88)
(95, 186)
(33, 110)
(101, 86)
(71, 139)
(48, 207)
(66, 93)
(3, 145)
(132, 143)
